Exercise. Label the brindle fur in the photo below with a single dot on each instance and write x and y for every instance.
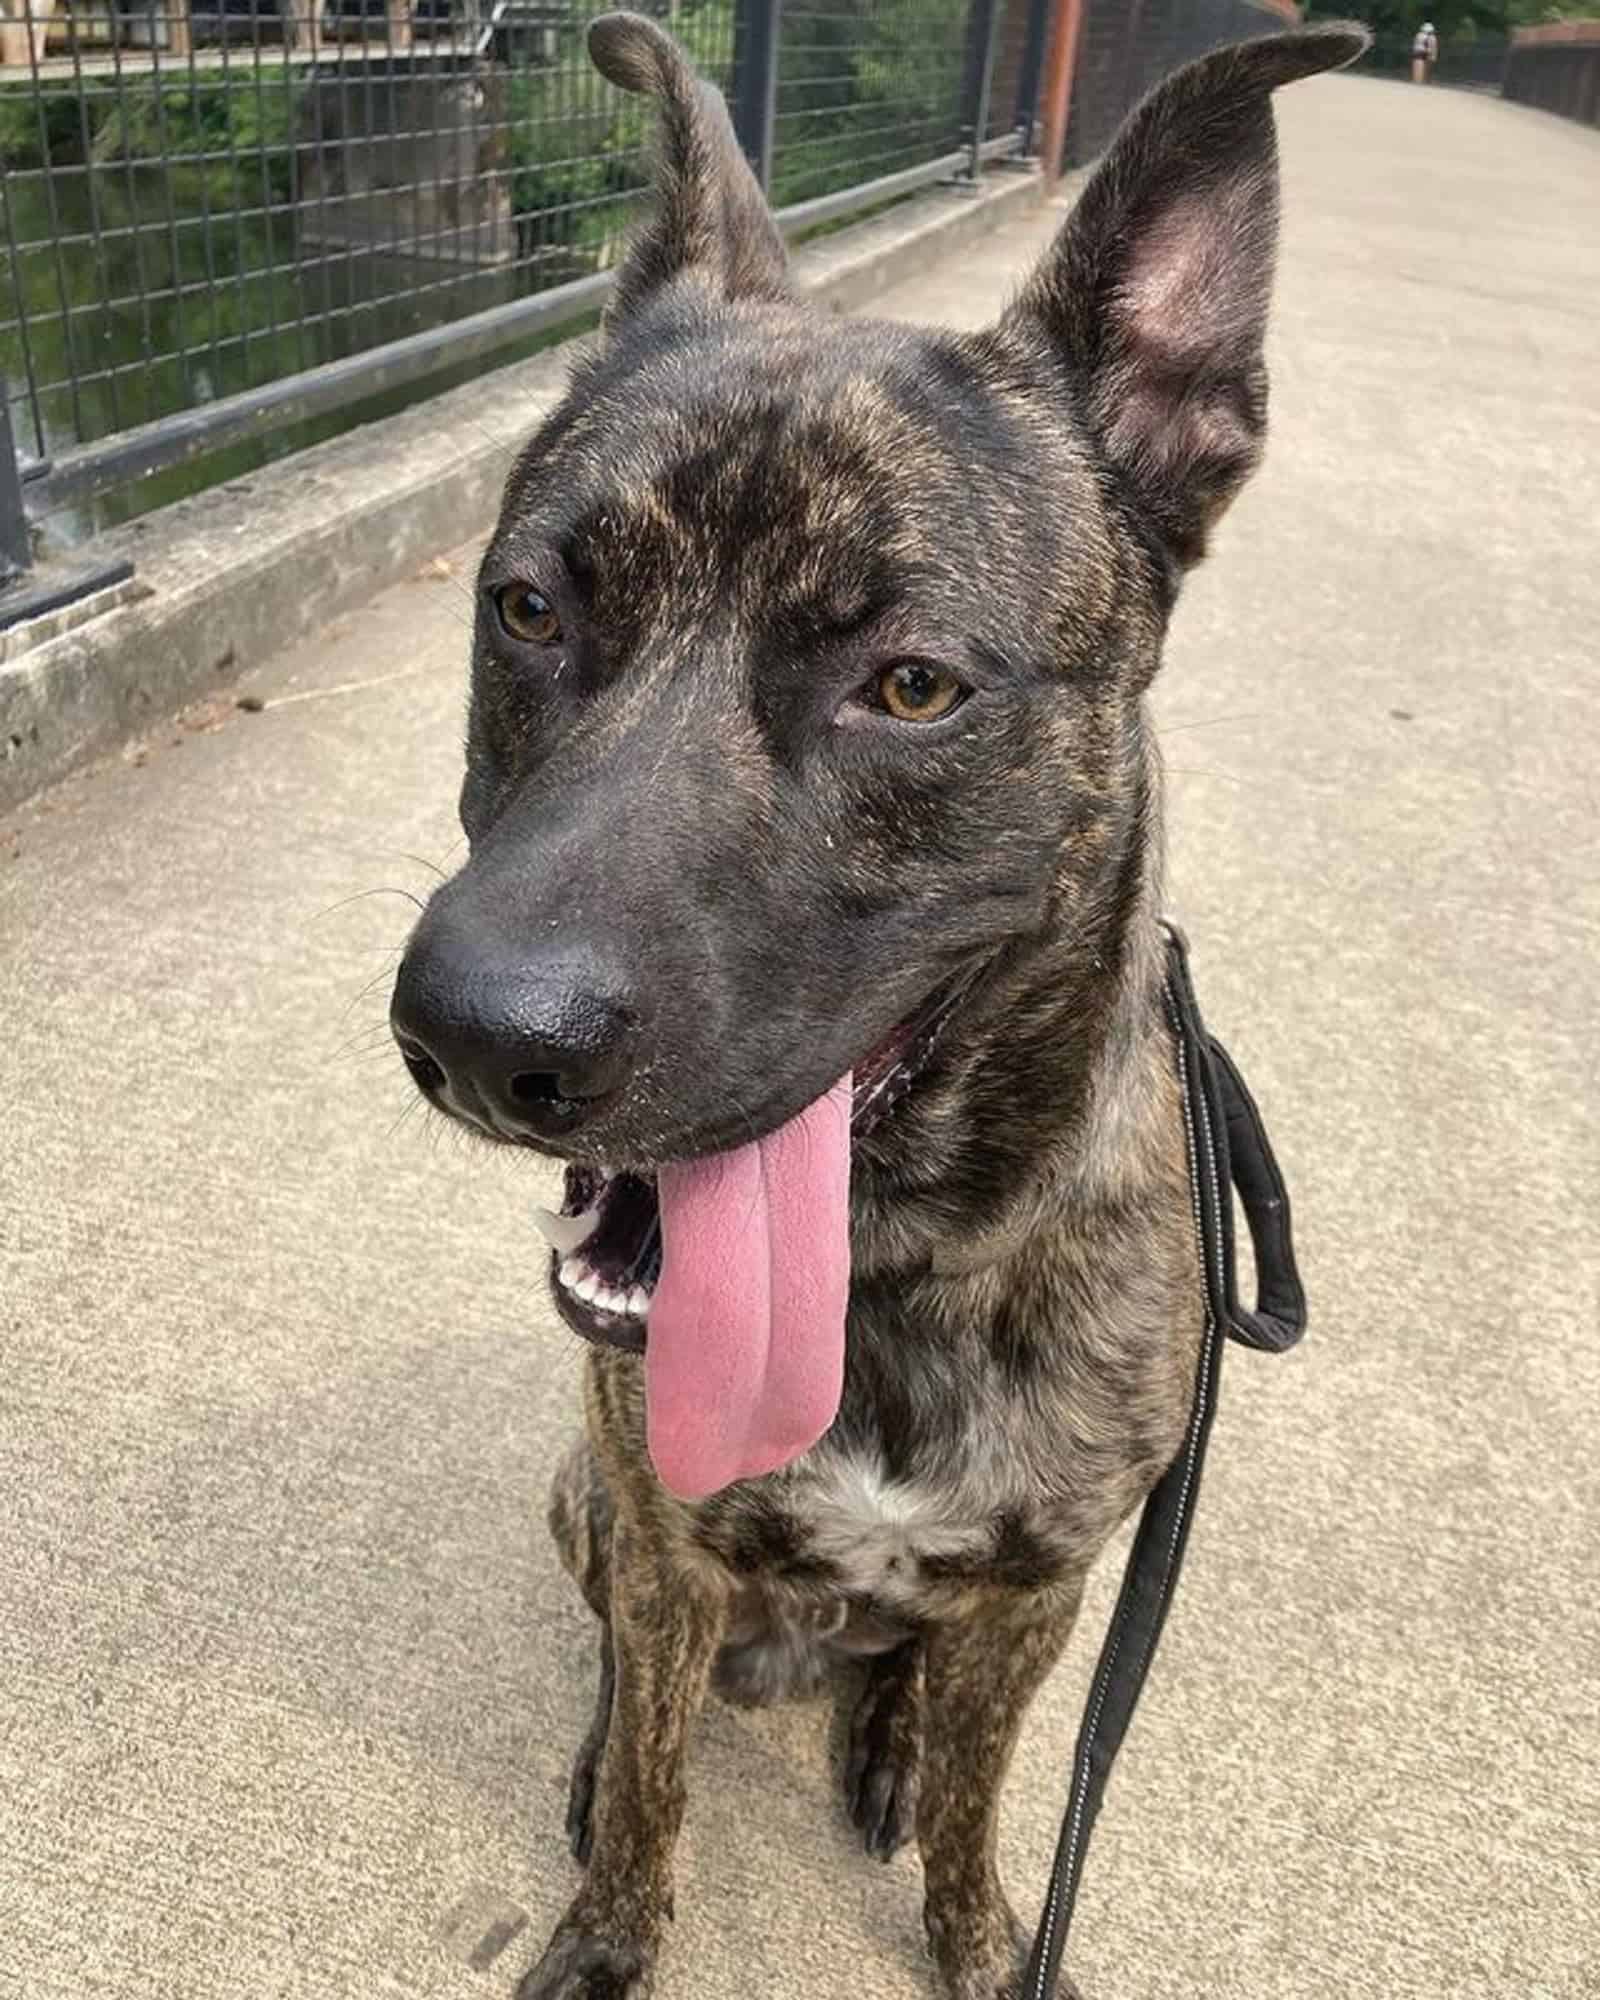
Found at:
(752, 506)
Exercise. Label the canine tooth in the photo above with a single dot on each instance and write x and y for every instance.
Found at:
(566, 1233)
(589, 1288)
(571, 1272)
(638, 1302)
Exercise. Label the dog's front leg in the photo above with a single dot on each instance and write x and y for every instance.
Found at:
(667, 1620)
(981, 1675)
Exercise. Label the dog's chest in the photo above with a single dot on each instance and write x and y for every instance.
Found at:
(887, 1539)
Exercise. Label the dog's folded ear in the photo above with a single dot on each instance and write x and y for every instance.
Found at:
(711, 221)
(1155, 293)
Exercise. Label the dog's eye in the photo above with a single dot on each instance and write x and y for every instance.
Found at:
(914, 691)
(527, 615)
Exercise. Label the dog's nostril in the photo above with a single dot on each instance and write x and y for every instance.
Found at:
(425, 1072)
(537, 1086)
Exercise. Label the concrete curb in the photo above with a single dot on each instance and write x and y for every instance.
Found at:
(229, 578)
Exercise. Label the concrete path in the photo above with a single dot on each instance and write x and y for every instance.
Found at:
(288, 1676)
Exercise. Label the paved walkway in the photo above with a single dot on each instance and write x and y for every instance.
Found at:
(288, 1677)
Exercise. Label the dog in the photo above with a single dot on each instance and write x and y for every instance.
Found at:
(812, 920)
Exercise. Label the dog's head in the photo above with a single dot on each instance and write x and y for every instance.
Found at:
(810, 652)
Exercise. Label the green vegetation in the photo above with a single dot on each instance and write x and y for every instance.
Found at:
(865, 90)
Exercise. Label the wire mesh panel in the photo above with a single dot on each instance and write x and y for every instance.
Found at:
(1557, 68)
(203, 199)
(1019, 36)
(1125, 47)
(865, 88)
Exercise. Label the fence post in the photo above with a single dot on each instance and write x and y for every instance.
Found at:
(982, 20)
(755, 81)
(1065, 27)
(1031, 74)
(16, 547)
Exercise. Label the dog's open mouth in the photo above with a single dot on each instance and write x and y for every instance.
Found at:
(607, 1245)
(606, 1241)
(731, 1272)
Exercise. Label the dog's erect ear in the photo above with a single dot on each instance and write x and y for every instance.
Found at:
(711, 220)
(1155, 293)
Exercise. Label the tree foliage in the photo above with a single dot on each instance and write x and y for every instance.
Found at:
(1390, 20)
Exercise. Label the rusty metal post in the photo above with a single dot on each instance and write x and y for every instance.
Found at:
(1066, 27)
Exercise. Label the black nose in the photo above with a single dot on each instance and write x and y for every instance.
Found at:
(535, 1049)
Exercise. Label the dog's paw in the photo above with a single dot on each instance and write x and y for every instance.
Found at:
(884, 1762)
(578, 1965)
(980, 1952)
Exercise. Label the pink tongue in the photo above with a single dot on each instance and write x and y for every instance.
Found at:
(744, 1360)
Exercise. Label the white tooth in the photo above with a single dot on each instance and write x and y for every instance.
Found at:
(589, 1288)
(566, 1233)
(611, 1302)
(639, 1302)
(571, 1272)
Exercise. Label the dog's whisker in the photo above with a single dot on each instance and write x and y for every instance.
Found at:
(377, 979)
(418, 1101)
(1211, 722)
(383, 1051)
(359, 1040)
(1200, 771)
(361, 895)
(422, 861)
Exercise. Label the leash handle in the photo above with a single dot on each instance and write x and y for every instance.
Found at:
(1279, 1319)
(1239, 1157)
(1228, 1150)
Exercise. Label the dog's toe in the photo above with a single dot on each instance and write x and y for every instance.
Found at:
(885, 1758)
(881, 1811)
(578, 1966)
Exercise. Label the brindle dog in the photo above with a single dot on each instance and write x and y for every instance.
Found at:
(808, 740)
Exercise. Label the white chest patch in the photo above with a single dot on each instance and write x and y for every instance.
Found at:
(877, 1531)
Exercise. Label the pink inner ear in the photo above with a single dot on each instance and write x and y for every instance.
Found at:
(1196, 280)
(1177, 401)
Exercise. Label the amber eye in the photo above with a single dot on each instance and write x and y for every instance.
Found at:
(913, 691)
(527, 615)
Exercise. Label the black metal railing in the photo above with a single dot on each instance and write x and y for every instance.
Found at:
(1557, 68)
(230, 223)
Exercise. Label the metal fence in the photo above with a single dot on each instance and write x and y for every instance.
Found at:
(1125, 47)
(231, 220)
(1465, 62)
(1557, 68)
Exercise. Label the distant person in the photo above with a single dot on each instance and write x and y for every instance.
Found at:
(1424, 53)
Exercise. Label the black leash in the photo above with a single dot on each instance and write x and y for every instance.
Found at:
(1228, 1150)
